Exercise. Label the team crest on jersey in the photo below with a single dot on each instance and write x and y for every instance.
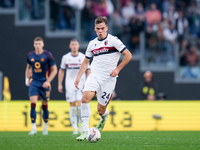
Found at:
(106, 42)
(42, 59)
(32, 59)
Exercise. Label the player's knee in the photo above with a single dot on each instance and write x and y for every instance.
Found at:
(72, 104)
(85, 100)
(87, 96)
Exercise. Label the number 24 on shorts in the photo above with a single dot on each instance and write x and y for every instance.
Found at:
(105, 95)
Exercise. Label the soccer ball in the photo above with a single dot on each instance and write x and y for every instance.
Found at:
(93, 134)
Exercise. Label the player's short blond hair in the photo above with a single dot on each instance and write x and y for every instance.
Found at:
(38, 39)
(101, 19)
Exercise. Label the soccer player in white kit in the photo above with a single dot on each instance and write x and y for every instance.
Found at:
(105, 50)
(71, 62)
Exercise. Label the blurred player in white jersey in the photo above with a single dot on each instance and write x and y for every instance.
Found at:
(105, 50)
(71, 62)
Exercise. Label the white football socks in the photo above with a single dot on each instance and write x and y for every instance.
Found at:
(105, 115)
(85, 114)
(79, 115)
(46, 125)
(34, 126)
(73, 117)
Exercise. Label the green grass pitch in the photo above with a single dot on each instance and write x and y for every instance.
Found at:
(123, 140)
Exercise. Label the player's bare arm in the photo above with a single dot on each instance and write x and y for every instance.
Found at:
(88, 71)
(82, 69)
(51, 76)
(28, 73)
(125, 61)
(61, 74)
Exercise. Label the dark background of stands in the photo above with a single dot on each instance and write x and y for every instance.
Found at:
(16, 42)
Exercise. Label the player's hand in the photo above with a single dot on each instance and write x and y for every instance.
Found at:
(60, 87)
(28, 84)
(46, 84)
(114, 73)
(76, 83)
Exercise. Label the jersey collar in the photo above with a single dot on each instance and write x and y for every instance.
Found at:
(73, 55)
(102, 39)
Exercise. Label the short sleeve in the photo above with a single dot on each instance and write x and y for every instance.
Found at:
(62, 64)
(28, 60)
(51, 60)
(117, 43)
(88, 53)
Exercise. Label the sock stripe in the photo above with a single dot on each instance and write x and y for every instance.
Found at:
(33, 104)
(44, 107)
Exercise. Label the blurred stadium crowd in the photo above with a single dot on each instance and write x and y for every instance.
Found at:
(169, 29)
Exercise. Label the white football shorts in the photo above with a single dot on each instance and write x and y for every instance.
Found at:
(103, 88)
(73, 95)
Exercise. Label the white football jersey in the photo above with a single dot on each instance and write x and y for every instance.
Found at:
(106, 54)
(72, 65)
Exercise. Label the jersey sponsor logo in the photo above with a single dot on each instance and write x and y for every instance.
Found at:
(37, 70)
(103, 50)
(37, 67)
(73, 66)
